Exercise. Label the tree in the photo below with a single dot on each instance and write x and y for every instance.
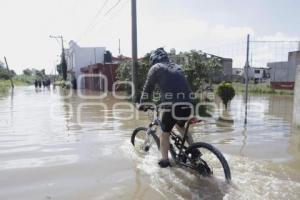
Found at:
(27, 72)
(4, 73)
(12, 73)
(43, 72)
(40, 73)
(124, 73)
(64, 66)
(214, 68)
(200, 68)
(59, 69)
(226, 92)
(1, 64)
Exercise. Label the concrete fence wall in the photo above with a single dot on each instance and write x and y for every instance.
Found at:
(297, 98)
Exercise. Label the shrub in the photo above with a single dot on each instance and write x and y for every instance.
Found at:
(226, 92)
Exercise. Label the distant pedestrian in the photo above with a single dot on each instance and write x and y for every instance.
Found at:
(35, 83)
(74, 84)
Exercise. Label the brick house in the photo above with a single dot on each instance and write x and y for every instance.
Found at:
(93, 79)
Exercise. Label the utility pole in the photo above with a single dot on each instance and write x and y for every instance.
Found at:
(247, 78)
(134, 48)
(95, 56)
(10, 76)
(119, 47)
(63, 59)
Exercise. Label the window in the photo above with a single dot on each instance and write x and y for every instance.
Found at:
(257, 71)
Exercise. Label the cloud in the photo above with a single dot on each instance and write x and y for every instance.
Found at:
(187, 34)
(26, 43)
(272, 48)
(279, 36)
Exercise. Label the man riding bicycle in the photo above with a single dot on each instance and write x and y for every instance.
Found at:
(176, 98)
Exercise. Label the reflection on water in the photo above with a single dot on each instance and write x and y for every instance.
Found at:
(55, 145)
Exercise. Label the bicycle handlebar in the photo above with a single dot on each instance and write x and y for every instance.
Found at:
(145, 108)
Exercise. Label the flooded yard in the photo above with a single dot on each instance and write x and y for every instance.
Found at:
(60, 146)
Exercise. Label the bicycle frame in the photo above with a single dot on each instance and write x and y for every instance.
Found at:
(157, 122)
(182, 154)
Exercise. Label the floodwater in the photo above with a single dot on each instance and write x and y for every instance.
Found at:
(55, 145)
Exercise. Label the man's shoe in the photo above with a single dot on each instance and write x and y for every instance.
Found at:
(164, 163)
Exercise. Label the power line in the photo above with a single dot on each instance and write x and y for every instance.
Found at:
(120, 9)
(112, 16)
(100, 10)
(109, 10)
(274, 41)
(93, 25)
(116, 4)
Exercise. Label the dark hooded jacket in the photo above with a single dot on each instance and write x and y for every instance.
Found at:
(171, 81)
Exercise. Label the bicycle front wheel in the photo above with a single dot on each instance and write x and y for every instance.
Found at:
(208, 160)
(144, 140)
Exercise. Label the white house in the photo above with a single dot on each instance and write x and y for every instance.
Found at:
(254, 73)
(260, 73)
(78, 57)
(237, 71)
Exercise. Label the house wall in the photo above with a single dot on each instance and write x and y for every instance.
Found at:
(95, 83)
(260, 73)
(279, 72)
(227, 67)
(79, 57)
(250, 73)
(297, 97)
(294, 61)
(284, 72)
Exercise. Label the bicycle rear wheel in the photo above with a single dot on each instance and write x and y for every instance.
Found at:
(144, 140)
(210, 161)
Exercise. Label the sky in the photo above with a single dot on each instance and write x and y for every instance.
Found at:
(217, 26)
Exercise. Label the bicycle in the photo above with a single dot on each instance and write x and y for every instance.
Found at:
(143, 138)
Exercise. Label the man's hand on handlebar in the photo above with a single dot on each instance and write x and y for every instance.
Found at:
(144, 107)
(141, 107)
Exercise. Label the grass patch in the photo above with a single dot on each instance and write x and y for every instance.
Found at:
(4, 86)
(18, 80)
(261, 88)
(24, 79)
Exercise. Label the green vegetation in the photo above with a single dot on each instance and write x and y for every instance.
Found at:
(63, 84)
(198, 68)
(18, 81)
(262, 88)
(4, 86)
(62, 67)
(24, 79)
(4, 73)
(226, 92)
(4, 78)
(27, 78)
(124, 73)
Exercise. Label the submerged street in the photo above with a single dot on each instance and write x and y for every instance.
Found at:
(46, 153)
